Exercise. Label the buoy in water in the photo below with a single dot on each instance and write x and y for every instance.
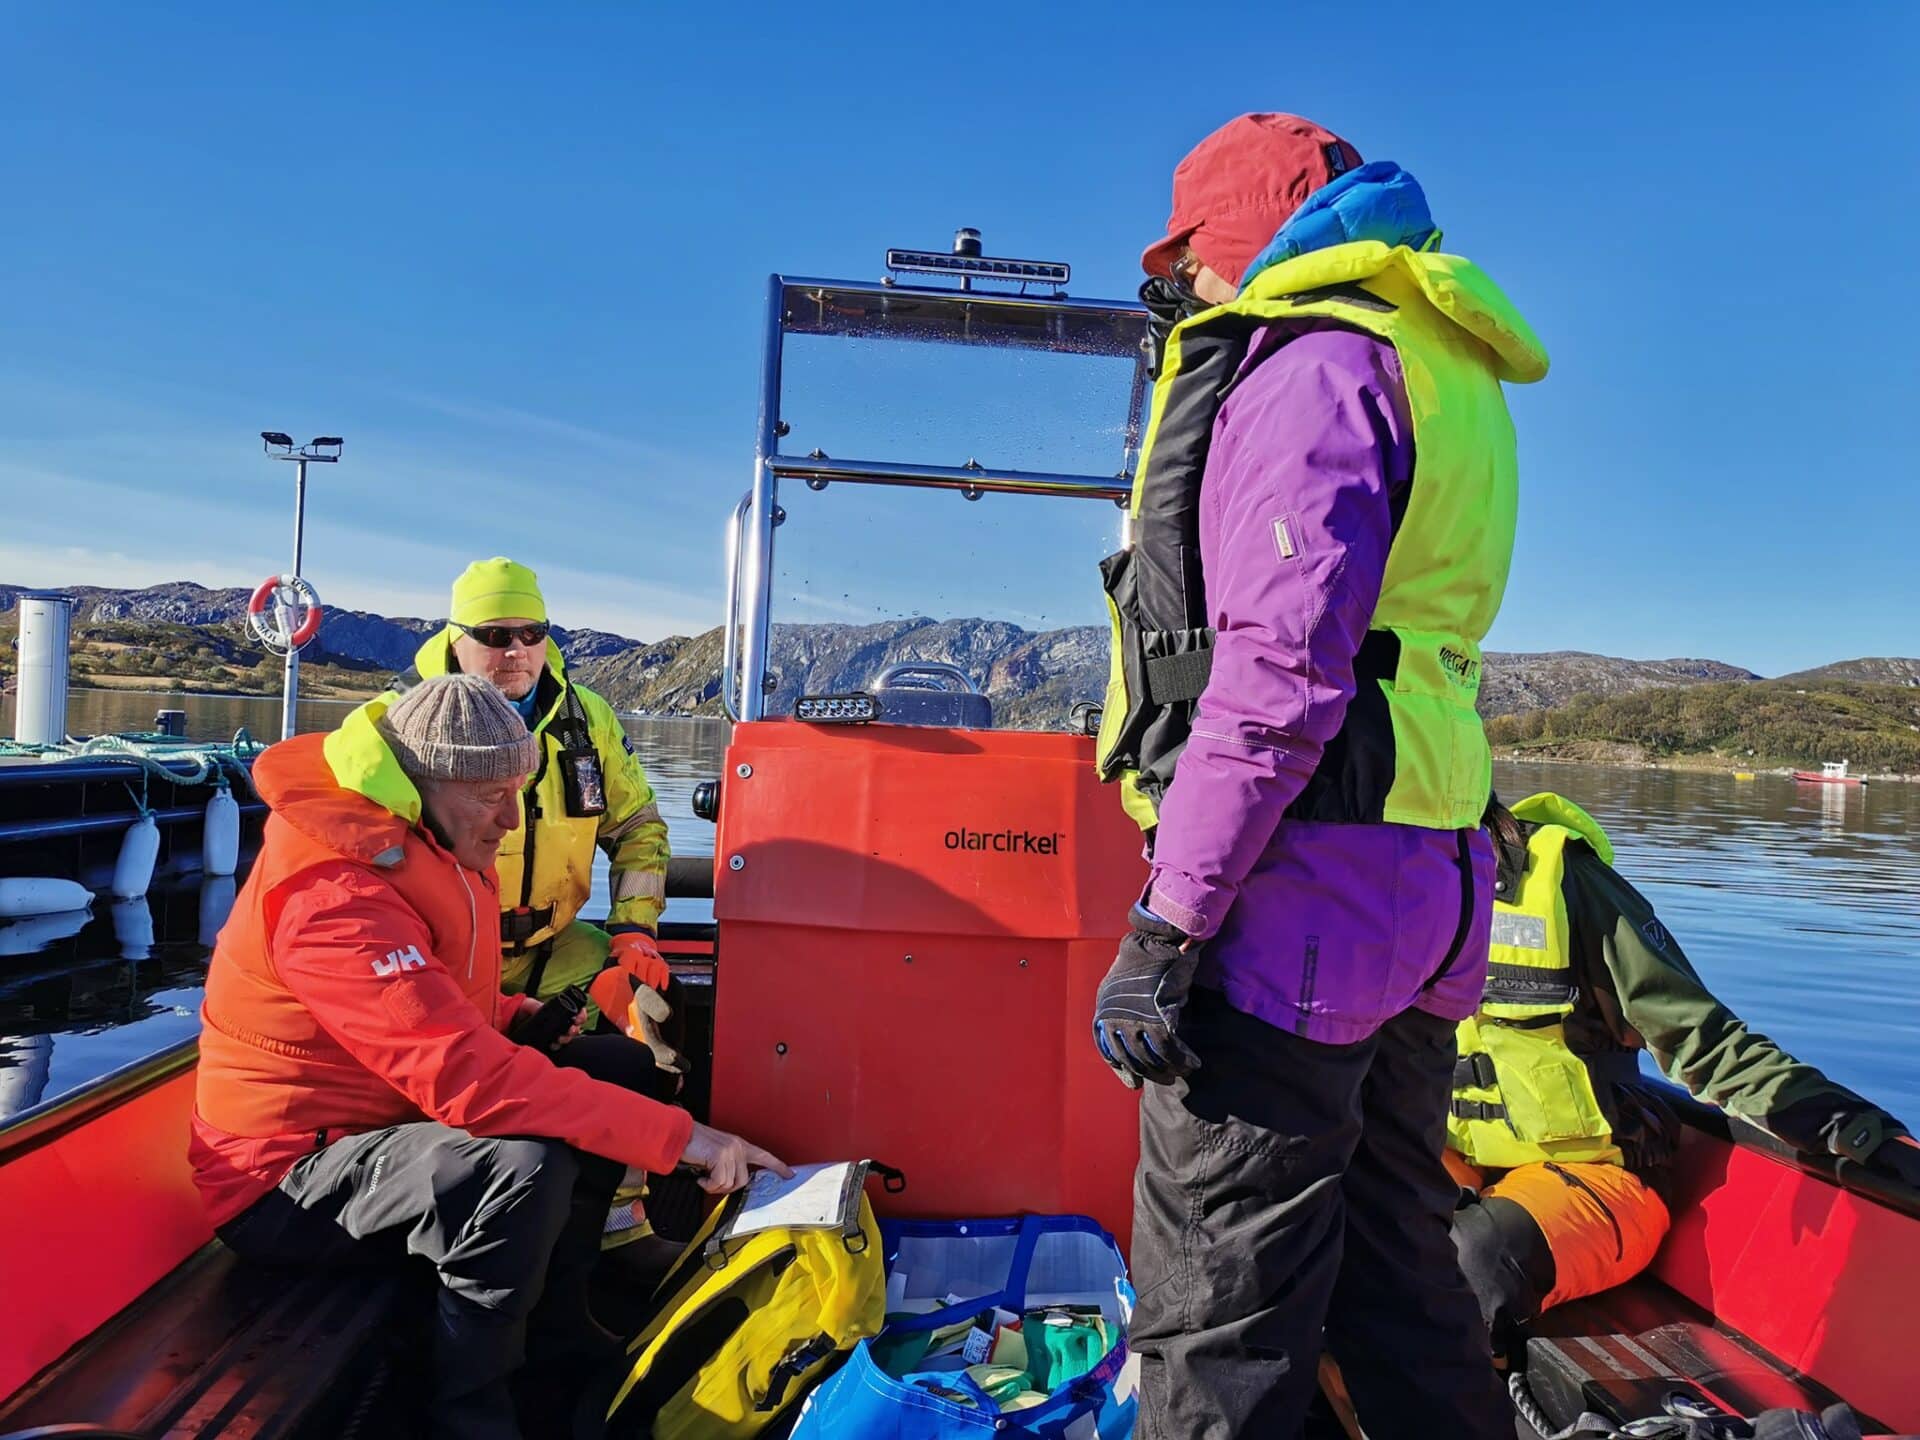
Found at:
(220, 848)
(139, 847)
(216, 903)
(34, 895)
(133, 928)
(35, 933)
(1743, 775)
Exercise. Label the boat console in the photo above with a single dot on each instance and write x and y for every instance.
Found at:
(917, 906)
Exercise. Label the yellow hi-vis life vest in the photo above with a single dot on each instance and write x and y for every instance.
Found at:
(1410, 750)
(1520, 1095)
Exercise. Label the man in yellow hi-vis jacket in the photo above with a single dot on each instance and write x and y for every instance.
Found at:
(587, 791)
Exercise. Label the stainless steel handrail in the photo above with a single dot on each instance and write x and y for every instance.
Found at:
(967, 479)
(757, 550)
(730, 642)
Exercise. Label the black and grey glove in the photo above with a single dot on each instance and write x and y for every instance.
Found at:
(1876, 1140)
(1138, 1008)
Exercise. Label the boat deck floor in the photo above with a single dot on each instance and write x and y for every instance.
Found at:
(1622, 1353)
(212, 1352)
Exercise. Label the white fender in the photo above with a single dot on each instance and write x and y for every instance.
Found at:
(220, 849)
(32, 895)
(139, 847)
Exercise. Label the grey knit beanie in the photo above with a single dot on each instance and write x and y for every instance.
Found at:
(458, 727)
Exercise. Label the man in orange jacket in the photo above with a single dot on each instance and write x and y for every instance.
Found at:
(359, 1097)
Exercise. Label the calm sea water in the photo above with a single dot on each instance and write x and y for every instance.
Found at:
(1795, 902)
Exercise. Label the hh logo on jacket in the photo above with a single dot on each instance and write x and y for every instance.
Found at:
(398, 960)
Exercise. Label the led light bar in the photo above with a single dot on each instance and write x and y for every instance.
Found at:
(856, 708)
(936, 262)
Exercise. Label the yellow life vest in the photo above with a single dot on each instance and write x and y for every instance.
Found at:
(1410, 750)
(1520, 1094)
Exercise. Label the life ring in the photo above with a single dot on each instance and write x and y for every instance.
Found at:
(270, 612)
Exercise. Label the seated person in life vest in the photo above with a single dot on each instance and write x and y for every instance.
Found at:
(587, 791)
(360, 1097)
(1569, 1150)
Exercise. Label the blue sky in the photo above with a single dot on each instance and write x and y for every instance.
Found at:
(517, 257)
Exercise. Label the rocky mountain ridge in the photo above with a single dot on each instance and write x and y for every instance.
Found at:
(1033, 677)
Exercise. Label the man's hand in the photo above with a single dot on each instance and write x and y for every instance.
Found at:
(1138, 1008)
(1897, 1157)
(726, 1162)
(530, 1007)
(637, 953)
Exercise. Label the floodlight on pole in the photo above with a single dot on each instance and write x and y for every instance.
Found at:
(322, 450)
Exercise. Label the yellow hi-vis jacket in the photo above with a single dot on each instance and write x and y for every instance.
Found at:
(1520, 1093)
(546, 866)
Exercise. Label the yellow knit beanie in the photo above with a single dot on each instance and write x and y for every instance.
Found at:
(496, 589)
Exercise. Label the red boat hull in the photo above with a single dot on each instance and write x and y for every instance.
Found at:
(1808, 777)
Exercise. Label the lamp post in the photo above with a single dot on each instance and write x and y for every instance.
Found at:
(322, 450)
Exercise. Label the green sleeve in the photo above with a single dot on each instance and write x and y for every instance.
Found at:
(632, 832)
(1697, 1040)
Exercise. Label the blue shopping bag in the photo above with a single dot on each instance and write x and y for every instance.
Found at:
(1011, 1265)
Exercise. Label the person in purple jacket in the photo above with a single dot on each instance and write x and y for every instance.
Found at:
(1324, 519)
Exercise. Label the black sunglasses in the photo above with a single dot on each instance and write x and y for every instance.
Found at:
(499, 637)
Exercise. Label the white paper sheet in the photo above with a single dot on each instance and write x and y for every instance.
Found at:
(816, 1195)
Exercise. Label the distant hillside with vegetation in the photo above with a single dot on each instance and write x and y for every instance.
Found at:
(1874, 669)
(1513, 683)
(1754, 725)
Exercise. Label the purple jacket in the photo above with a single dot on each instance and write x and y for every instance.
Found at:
(1325, 930)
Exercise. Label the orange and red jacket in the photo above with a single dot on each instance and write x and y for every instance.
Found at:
(357, 985)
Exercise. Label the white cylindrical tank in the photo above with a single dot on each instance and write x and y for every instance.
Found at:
(220, 847)
(139, 847)
(216, 903)
(40, 714)
(37, 895)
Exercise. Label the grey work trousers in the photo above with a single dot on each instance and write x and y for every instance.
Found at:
(511, 1225)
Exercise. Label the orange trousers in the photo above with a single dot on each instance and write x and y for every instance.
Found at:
(1601, 1222)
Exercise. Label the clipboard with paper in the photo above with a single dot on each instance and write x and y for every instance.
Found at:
(823, 1196)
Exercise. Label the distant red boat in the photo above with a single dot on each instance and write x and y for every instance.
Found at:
(1834, 772)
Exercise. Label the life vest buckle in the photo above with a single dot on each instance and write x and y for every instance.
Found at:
(1475, 1072)
(523, 922)
(1478, 1110)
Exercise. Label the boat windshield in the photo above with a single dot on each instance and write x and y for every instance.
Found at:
(1006, 586)
(943, 471)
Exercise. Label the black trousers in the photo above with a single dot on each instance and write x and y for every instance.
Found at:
(1291, 1195)
(511, 1225)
